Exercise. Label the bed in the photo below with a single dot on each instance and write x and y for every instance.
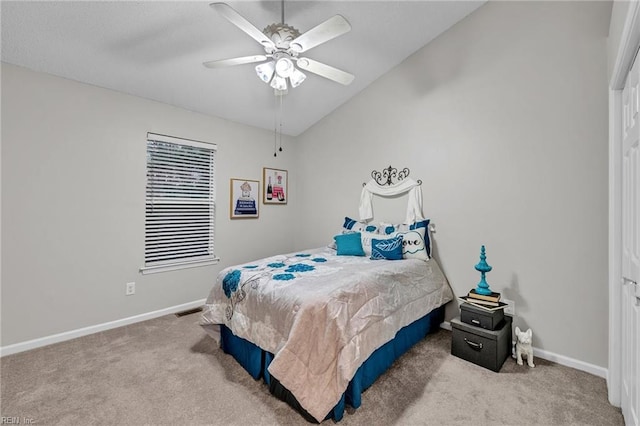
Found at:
(320, 325)
(311, 319)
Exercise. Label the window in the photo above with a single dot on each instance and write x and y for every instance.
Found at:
(180, 204)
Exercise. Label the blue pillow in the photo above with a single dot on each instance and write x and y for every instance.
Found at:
(390, 249)
(349, 244)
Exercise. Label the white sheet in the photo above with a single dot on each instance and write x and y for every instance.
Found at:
(322, 324)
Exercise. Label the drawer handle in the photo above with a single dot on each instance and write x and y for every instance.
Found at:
(475, 321)
(474, 345)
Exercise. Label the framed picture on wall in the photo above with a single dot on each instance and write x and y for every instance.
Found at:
(275, 188)
(245, 199)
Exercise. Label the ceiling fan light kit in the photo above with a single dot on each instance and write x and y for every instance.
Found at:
(283, 69)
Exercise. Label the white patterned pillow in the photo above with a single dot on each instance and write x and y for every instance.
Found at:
(388, 228)
(359, 226)
(422, 226)
(414, 243)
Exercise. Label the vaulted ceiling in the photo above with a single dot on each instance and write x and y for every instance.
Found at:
(155, 50)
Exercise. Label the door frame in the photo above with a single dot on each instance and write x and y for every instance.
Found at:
(626, 51)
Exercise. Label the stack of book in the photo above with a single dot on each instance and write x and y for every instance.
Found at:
(489, 302)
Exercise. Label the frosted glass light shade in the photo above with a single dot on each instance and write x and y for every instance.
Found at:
(296, 78)
(284, 67)
(265, 71)
(279, 83)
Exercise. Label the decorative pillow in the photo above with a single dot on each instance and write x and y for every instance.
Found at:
(388, 228)
(349, 244)
(389, 248)
(358, 226)
(413, 244)
(424, 223)
(418, 226)
(332, 244)
(421, 226)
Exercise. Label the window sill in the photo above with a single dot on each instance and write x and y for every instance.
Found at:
(177, 266)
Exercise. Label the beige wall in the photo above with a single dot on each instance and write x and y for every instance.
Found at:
(73, 185)
(504, 118)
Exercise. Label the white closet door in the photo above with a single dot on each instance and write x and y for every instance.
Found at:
(631, 247)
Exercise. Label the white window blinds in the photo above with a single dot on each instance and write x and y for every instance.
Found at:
(180, 203)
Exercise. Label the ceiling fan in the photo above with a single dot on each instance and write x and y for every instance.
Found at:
(283, 45)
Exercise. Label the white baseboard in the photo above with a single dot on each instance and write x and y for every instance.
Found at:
(571, 362)
(559, 359)
(68, 335)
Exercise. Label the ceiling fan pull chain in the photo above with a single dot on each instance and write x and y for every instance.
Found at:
(280, 123)
(275, 125)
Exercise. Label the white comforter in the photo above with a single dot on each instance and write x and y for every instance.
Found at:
(322, 315)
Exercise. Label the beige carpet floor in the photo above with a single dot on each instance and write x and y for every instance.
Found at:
(167, 371)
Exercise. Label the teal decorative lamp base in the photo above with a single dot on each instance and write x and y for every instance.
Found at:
(483, 267)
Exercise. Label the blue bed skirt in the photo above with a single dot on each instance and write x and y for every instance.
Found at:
(256, 361)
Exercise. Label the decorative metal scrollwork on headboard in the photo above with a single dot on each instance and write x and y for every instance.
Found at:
(387, 176)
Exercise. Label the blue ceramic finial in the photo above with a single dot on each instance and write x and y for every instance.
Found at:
(483, 267)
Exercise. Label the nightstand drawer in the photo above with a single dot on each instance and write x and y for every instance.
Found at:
(486, 348)
(479, 317)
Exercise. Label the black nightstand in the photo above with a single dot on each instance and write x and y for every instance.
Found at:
(486, 348)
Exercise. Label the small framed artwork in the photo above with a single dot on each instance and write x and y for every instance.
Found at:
(245, 196)
(274, 186)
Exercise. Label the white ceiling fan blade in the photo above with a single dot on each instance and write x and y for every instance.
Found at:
(325, 71)
(234, 61)
(328, 30)
(240, 22)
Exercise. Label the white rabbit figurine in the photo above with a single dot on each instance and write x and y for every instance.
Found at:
(523, 346)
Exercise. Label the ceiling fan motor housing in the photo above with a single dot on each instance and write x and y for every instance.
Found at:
(281, 35)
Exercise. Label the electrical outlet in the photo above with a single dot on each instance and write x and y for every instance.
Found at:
(130, 289)
(511, 308)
